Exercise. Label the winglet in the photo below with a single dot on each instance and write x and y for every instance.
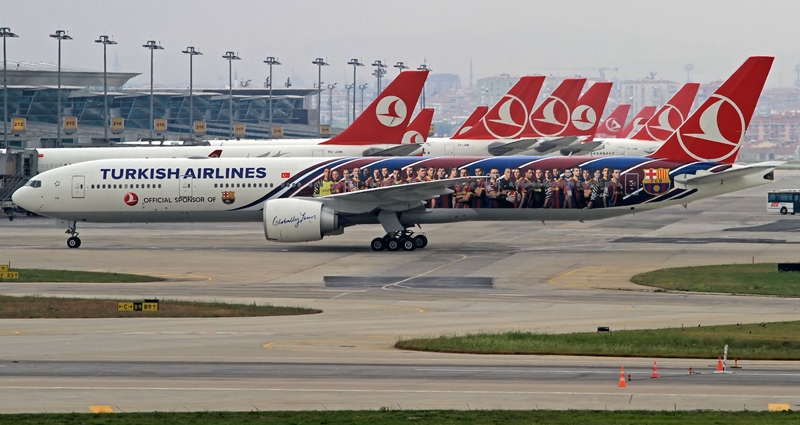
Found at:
(473, 119)
(417, 131)
(661, 125)
(715, 131)
(615, 122)
(385, 120)
(508, 118)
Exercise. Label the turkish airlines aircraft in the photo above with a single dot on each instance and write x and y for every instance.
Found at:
(305, 199)
(387, 124)
(656, 130)
(472, 119)
(638, 121)
(612, 126)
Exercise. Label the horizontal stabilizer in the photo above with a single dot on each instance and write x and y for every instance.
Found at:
(401, 150)
(510, 148)
(705, 177)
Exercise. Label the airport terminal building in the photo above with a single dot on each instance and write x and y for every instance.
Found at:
(33, 96)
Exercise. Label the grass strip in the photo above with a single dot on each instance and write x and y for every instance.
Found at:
(44, 275)
(760, 279)
(394, 417)
(766, 341)
(34, 307)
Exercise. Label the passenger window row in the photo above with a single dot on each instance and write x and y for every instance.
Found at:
(127, 186)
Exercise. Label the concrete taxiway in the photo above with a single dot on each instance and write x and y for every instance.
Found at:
(556, 277)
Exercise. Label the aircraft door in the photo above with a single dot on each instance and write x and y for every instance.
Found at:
(449, 149)
(78, 186)
(317, 152)
(621, 151)
(631, 183)
(186, 187)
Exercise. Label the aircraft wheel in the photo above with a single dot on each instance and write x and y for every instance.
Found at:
(393, 244)
(784, 211)
(420, 241)
(378, 244)
(408, 244)
(11, 218)
(74, 242)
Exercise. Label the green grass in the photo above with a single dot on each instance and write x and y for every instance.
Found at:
(32, 307)
(394, 417)
(761, 279)
(42, 275)
(768, 341)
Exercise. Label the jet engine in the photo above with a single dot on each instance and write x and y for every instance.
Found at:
(298, 220)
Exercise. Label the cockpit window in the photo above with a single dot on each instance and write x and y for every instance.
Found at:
(34, 183)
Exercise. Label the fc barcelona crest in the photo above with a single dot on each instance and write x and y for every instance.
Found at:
(656, 181)
(228, 197)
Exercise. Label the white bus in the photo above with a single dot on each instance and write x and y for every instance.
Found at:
(785, 201)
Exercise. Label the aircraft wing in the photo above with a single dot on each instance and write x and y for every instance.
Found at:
(399, 150)
(547, 146)
(582, 147)
(512, 147)
(392, 198)
(712, 178)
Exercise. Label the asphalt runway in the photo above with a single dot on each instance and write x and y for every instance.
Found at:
(551, 277)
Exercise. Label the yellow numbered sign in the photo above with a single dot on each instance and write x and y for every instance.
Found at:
(199, 127)
(9, 275)
(70, 124)
(431, 131)
(3, 268)
(277, 132)
(18, 125)
(149, 306)
(117, 124)
(160, 125)
(238, 129)
(325, 130)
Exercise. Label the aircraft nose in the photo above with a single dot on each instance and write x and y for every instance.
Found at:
(22, 197)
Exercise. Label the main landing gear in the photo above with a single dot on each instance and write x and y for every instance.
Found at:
(73, 241)
(395, 241)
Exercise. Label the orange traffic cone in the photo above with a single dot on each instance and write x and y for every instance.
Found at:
(655, 371)
(719, 364)
(622, 382)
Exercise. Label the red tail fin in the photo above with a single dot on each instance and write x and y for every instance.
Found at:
(670, 116)
(553, 116)
(615, 121)
(508, 117)
(473, 119)
(216, 154)
(386, 118)
(417, 131)
(715, 131)
(638, 122)
(585, 117)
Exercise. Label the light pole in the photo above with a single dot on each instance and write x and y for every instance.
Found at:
(349, 87)
(105, 41)
(319, 62)
(271, 61)
(5, 32)
(230, 56)
(330, 103)
(355, 63)
(192, 52)
(362, 87)
(59, 35)
(380, 71)
(424, 67)
(151, 44)
(400, 66)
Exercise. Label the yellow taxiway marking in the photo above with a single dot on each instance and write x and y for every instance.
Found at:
(101, 409)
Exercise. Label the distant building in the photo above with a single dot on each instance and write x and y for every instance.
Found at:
(441, 83)
(492, 89)
(646, 92)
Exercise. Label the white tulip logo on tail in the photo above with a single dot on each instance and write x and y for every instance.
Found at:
(509, 119)
(391, 111)
(465, 129)
(584, 117)
(704, 140)
(667, 122)
(553, 119)
(612, 125)
(638, 123)
(412, 136)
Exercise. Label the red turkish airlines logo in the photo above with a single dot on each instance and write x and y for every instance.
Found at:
(131, 199)
(552, 119)
(508, 120)
(612, 125)
(704, 139)
(667, 121)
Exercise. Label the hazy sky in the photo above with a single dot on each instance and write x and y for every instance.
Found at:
(513, 36)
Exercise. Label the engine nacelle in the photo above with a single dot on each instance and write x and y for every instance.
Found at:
(298, 220)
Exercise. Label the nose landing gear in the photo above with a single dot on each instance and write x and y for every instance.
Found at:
(73, 241)
(395, 241)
